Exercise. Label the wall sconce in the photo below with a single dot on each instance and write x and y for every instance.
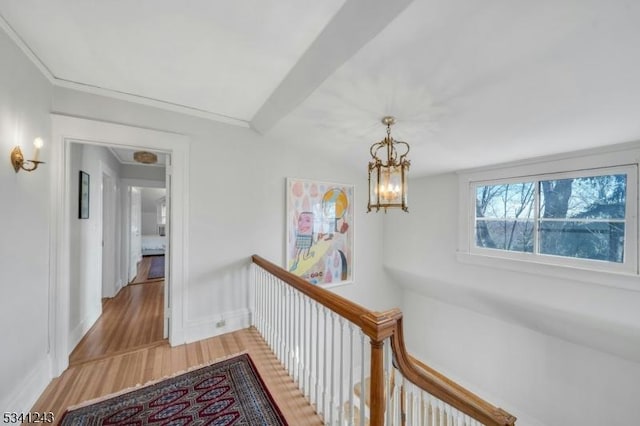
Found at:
(18, 161)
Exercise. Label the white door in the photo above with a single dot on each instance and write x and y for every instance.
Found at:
(135, 241)
(167, 252)
(108, 236)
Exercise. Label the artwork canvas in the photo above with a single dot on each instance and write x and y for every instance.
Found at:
(320, 231)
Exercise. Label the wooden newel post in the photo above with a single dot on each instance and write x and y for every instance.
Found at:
(377, 407)
(379, 327)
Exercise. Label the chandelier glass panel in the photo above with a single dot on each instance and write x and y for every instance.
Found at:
(388, 177)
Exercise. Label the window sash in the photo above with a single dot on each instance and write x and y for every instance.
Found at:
(630, 245)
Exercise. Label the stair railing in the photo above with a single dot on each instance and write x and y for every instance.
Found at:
(320, 338)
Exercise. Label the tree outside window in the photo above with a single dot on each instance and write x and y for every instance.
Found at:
(578, 217)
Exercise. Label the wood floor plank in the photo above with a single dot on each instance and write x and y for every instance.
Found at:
(124, 350)
(130, 320)
(93, 379)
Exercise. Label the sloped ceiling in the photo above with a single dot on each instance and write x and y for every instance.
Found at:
(471, 83)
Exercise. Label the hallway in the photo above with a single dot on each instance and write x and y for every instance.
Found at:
(130, 321)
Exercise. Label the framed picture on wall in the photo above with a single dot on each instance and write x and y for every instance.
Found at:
(83, 211)
(320, 231)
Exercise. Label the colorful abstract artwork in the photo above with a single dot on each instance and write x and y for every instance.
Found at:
(320, 231)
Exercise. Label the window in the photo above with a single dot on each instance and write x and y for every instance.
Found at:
(583, 218)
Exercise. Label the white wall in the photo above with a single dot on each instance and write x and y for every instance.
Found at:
(551, 351)
(237, 186)
(25, 97)
(85, 269)
(130, 171)
(149, 223)
(150, 197)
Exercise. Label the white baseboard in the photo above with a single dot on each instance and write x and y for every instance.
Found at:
(27, 392)
(81, 329)
(208, 327)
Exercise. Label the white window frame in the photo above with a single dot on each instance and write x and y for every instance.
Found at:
(621, 159)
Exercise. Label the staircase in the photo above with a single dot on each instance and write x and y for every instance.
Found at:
(351, 363)
(354, 410)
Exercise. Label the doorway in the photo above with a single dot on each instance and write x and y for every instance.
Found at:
(106, 316)
(67, 130)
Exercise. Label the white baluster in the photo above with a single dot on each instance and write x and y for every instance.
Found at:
(298, 348)
(324, 366)
(307, 347)
(270, 295)
(317, 378)
(280, 323)
(292, 333)
(340, 383)
(277, 330)
(332, 389)
(276, 319)
(351, 373)
(363, 397)
(262, 306)
(257, 288)
(287, 327)
(411, 404)
(417, 398)
(274, 316)
(424, 408)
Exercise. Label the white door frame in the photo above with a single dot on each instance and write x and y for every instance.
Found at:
(127, 184)
(65, 130)
(109, 229)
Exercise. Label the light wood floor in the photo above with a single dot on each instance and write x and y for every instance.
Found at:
(133, 319)
(93, 379)
(103, 364)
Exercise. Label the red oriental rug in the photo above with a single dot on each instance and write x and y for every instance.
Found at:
(229, 392)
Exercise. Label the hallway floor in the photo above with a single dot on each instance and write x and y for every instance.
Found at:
(94, 379)
(131, 320)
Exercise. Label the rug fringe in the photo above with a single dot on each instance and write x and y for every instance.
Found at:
(152, 382)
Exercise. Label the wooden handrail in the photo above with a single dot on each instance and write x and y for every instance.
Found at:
(443, 388)
(379, 326)
(373, 324)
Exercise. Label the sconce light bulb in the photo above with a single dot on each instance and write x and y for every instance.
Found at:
(38, 143)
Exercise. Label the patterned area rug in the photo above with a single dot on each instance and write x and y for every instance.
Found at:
(226, 393)
(157, 268)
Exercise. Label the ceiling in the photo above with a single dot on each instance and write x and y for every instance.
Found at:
(471, 82)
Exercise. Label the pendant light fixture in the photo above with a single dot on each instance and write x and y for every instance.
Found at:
(145, 157)
(388, 177)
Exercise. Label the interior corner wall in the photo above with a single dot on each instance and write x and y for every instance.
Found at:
(25, 100)
(237, 209)
(551, 351)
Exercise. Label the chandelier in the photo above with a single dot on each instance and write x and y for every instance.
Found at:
(388, 178)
